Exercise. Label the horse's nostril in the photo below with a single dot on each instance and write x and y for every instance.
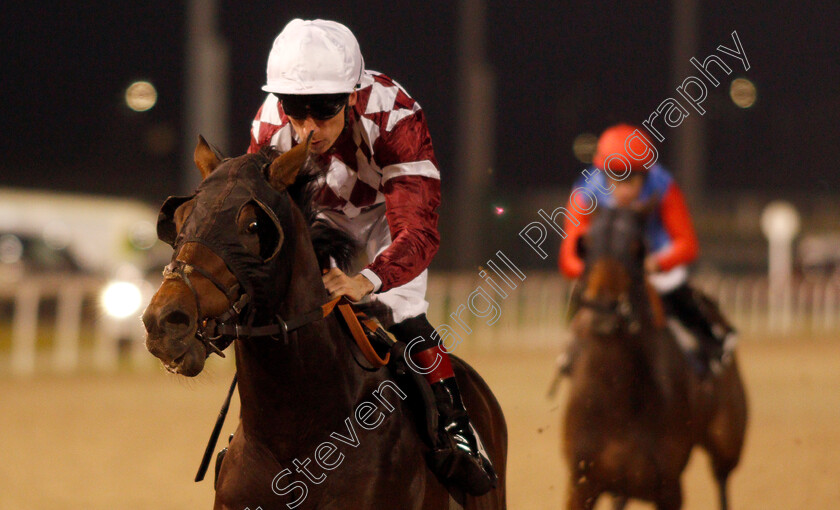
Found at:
(177, 319)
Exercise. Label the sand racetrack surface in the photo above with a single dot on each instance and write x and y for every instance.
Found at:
(133, 440)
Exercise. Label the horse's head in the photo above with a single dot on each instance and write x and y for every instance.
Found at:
(228, 238)
(613, 251)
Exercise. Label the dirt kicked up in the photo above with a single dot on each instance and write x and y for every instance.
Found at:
(133, 441)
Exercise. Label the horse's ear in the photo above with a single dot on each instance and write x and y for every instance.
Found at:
(205, 157)
(285, 167)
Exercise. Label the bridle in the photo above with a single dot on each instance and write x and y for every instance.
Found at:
(205, 328)
(620, 309)
(217, 333)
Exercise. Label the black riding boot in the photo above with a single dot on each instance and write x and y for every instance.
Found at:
(700, 315)
(462, 460)
(457, 455)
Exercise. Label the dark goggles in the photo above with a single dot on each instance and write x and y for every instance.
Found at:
(317, 106)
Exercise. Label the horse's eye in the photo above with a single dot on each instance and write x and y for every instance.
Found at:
(253, 227)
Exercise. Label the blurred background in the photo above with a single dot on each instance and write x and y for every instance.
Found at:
(102, 104)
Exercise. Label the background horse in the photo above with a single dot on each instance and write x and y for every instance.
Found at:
(635, 409)
(318, 428)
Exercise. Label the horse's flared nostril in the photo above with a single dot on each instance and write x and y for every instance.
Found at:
(176, 318)
(176, 322)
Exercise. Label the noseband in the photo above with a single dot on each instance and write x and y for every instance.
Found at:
(620, 309)
(180, 270)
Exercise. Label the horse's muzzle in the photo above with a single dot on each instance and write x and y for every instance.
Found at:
(170, 337)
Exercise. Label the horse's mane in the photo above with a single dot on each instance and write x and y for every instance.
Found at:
(327, 240)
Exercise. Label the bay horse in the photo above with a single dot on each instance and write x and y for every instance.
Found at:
(635, 409)
(318, 427)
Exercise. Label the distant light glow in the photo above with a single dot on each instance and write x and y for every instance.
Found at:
(780, 221)
(583, 147)
(11, 249)
(499, 210)
(142, 235)
(56, 235)
(743, 92)
(141, 96)
(121, 299)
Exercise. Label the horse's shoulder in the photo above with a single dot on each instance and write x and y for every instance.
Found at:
(465, 371)
(475, 389)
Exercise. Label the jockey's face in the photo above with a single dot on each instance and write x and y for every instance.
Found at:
(627, 191)
(324, 132)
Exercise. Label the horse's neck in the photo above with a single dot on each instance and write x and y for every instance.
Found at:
(284, 389)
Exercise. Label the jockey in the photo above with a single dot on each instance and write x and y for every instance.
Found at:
(382, 186)
(671, 241)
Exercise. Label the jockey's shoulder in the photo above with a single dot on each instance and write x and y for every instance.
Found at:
(591, 178)
(371, 77)
(379, 94)
(659, 177)
(658, 170)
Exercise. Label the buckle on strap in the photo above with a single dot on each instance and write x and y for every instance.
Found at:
(237, 307)
(282, 329)
(210, 345)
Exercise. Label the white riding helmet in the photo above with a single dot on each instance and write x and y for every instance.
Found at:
(314, 57)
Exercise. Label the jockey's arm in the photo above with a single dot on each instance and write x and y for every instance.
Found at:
(411, 186)
(569, 262)
(676, 218)
(410, 208)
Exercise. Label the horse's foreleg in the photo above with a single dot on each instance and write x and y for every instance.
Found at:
(725, 431)
(619, 502)
(670, 496)
(582, 496)
(721, 483)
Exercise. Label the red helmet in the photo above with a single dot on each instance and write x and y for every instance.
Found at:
(613, 141)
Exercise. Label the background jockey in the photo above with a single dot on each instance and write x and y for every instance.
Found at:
(671, 240)
(382, 186)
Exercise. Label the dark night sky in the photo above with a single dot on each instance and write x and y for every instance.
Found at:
(561, 68)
